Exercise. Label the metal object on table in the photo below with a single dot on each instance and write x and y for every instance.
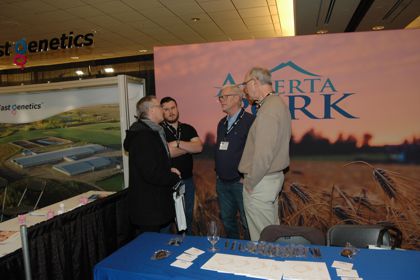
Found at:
(315, 252)
(160, 254)
(233, 245)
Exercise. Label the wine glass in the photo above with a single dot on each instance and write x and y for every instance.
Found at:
(212, 235)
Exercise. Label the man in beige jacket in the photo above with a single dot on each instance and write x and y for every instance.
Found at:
(266, 153)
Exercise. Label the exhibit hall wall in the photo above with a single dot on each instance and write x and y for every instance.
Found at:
(353, 98)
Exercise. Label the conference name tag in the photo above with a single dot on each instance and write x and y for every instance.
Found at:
(224, 146)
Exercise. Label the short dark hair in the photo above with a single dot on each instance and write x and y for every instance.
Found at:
(167, 99)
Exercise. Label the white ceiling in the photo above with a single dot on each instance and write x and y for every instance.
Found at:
(123, 27)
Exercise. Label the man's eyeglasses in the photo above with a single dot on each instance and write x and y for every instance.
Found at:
(225, 96)
(244, 85)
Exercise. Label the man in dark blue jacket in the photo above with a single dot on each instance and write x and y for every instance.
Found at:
(232, 132)
(151, 177)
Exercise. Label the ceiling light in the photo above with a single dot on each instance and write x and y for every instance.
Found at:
(378, 27)
(142, 51)
(109, 70)
(79, 72)
(195, 19)
(74, 57)
(286, 17)
(322, 31)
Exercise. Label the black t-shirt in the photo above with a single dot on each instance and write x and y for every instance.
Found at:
(185, 132)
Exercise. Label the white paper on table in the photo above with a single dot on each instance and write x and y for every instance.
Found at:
(303, 270)
(186, 257)
(382, 247)
(227, 263)
(181, 264)
(245, 266)
(11, 244)
(194, 251)
(38, 213)
(347, 273)
(12, 236)
(275, 270)
(263, 268)
(342, 265)
(351, 278)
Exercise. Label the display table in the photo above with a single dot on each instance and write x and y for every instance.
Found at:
(133, 261)
(69, 245)
(12, 226)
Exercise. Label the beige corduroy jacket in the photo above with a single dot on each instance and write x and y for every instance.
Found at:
(267, 145)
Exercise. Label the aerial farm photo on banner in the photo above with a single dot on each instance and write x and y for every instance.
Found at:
(62, 139)
(353, 98)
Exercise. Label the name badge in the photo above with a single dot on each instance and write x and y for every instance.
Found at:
(224, 145)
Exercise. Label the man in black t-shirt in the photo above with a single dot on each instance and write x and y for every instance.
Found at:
(183, 141)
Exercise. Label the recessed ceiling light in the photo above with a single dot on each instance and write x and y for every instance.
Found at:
(79, 72)
(109, 70)
(143, 51)
(195, 19)
(322, 31)
(74, 57)
(378, 27)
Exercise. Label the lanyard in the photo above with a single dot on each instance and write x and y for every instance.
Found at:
(241, 114)
(175, 132)
(260, 103)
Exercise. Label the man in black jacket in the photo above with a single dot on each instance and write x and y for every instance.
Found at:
(151, 177)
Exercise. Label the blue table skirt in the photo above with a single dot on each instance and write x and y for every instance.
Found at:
(133, 261)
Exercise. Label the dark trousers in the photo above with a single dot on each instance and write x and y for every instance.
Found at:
(230, 203)
(189, 197)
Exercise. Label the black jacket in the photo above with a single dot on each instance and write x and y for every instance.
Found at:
(150, 179)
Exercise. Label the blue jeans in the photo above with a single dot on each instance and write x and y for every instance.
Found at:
(230, 202)
(189, 202)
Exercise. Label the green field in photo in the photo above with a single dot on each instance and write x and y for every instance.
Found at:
(107, 134)
(113, 183)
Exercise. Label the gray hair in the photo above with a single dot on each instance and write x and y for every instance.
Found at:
(143, 106)
(234, 88)
(261, 74)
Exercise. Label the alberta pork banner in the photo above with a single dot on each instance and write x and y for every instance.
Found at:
(353, 98)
